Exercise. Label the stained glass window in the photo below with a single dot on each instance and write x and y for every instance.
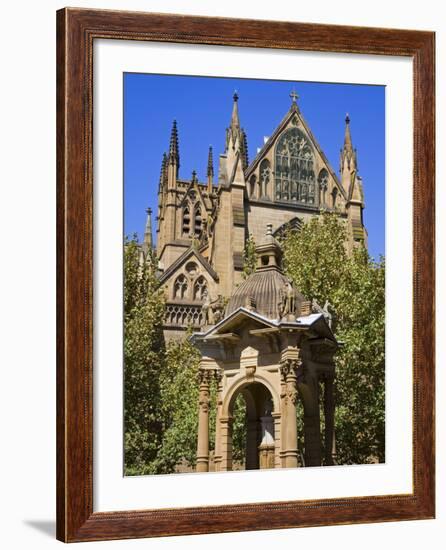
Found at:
(294, 170)
(322, 180)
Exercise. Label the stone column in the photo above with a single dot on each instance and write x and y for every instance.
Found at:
(204, 377)
(277, 439)
(329, 409)
(267, 443)
(288, 368)
(283, 412)
(226, 443)
(312, 427)
(217, 456)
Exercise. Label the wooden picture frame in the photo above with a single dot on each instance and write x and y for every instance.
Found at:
(76, 31)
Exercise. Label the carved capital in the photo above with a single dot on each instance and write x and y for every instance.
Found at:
(290, 367)
(204, 376)
(218, 375)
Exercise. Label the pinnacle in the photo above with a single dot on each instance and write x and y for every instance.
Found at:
(210, 171)
(174, 155)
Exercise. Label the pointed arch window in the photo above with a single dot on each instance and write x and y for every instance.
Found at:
(252, 186)
(265, 177)
(322, 180)
(197, 221)
(334, 196)
(200, 288)
(180, 287)
(186, 220)
(294, 169)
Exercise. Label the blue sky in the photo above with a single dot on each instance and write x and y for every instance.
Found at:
(202, 107)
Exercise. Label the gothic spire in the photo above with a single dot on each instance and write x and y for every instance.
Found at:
(174, 152)
(210, 170)
(147, 244)
(235, 135)
(244, 150)
(163, 174)
(347, 137)
(235, 122)
(348, 154)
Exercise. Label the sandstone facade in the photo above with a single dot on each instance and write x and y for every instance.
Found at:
(202, 227)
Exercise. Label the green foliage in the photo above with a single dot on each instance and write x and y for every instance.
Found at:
(249, 257)
(179, 397)
(143, 341)
(160, 382)
(316, 260)
(239, 428)
(179, 407)
(315, 257)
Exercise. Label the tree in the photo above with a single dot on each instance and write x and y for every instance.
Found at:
(179, 410)
(179, 407)
(316, 260)
(143, 359)
(249, 257)
(160, 382)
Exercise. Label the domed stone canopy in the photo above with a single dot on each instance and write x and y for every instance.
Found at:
(264, 291)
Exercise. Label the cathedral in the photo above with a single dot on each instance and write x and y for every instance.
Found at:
(202, 227)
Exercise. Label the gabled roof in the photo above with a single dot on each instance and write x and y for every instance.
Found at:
(293, 111)
(201, 192)
(187, 255)
(237, 170)
(355, 192)
(314, 320)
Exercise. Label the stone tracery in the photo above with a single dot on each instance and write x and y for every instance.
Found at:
(294, 168)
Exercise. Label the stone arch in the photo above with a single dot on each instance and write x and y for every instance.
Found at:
(200, 287)
(240, 382)
(322, 181)
(252, 186)
(294, 168)
(198, 221)
(293, 225)
(261, 439)
(264, 178)
(334, 196)
(186, 219)
(180, 287)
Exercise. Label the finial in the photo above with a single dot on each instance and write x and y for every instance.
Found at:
(174, 156)
(294, 97)
(148, 242)
(163, 173)
(210, 171)
(194, 175)
(235, 96)
(347, 118)
(269, 229)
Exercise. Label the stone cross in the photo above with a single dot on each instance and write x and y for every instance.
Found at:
(294, 96)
